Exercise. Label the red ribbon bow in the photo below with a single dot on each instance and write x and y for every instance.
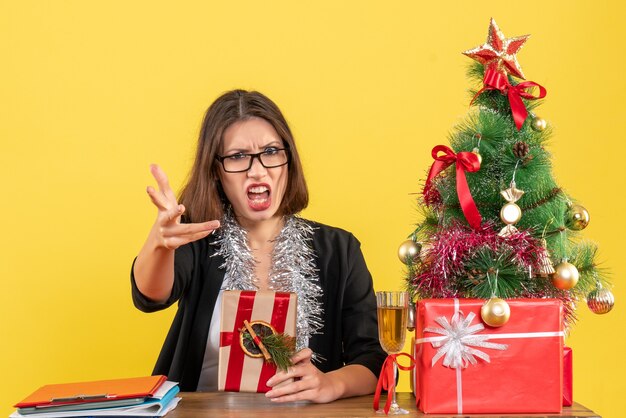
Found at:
(495, 80)
(387, 378)
(465, 161)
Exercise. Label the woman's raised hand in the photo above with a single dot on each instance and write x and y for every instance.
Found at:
(168, 231)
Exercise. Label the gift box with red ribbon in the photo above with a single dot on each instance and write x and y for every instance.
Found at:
(463, 366)
(241, 369)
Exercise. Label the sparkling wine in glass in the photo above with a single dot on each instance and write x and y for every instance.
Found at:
(392, 321)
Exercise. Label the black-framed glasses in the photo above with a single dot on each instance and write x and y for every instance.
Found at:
(240, 162)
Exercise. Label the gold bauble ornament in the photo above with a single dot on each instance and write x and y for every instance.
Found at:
(409, 251)
(510, 213)
(480, 157)
(576, 218)
(538, 124)
(565, 276)
(600, 301)
(495, 312)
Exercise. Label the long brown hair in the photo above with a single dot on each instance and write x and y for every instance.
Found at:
(202, 195)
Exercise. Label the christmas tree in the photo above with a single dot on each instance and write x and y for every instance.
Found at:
(496, 224)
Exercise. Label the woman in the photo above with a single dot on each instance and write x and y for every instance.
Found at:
(235, 228)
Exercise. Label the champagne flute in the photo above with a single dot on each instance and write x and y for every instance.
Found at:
(392, 308)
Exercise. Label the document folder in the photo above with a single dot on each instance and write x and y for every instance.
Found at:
(96, 391)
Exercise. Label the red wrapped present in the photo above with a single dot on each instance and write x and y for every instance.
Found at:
(568, 388)
(464, 366)
(240, 369)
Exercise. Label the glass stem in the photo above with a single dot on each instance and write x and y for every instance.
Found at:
(394, 404)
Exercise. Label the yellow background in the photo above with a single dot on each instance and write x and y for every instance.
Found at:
(93, 92)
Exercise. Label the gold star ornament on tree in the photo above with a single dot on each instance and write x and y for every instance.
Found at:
(498, 53)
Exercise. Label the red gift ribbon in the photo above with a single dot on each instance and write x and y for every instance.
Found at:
(231, 338)
(495, 80)
(279, 319)
(465, 161)
(387, 378)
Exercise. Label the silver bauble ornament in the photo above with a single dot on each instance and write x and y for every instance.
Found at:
(409, 251)
(600, 301)
(495, 312)
(565, 276)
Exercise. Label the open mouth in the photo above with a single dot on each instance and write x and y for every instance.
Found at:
(259, 196)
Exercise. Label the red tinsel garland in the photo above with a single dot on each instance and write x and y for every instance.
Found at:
(448, 251)
(455, 244)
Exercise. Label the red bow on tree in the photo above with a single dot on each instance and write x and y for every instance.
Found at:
(465, 161)
(495, 80)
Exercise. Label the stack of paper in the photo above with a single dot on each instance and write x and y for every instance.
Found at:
(150, 396)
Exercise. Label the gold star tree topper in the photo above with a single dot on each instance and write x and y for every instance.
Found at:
(498, 53)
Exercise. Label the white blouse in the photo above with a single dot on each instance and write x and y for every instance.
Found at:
(208, 375)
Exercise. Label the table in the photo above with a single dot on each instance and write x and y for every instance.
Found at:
(231, 404)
